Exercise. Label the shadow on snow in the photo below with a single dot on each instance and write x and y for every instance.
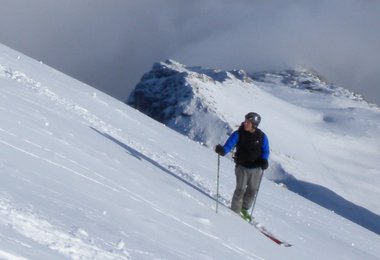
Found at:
(313, 192)
(334, 202)
(133, 152)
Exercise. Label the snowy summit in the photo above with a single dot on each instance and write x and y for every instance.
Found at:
(83, 176)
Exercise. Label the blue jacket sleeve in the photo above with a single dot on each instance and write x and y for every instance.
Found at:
(231, 142)
(265, 148)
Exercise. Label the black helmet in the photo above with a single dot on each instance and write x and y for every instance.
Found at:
(254, 118)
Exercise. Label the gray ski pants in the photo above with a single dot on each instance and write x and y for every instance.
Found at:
(247, 186)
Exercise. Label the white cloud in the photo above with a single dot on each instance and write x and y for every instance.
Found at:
(100, 42)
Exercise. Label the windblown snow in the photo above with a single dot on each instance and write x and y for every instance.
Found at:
(83, 176)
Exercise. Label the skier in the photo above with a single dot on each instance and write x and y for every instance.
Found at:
(251, 158)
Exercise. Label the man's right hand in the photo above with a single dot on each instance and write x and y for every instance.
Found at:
(219, 150)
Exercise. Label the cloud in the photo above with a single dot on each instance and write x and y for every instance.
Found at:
(110, 44)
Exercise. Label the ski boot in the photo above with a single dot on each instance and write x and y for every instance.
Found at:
(245, 215)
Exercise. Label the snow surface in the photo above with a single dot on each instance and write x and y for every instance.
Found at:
(325, 139)
(83, 176)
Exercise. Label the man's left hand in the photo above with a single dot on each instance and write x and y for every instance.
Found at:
(264, 164)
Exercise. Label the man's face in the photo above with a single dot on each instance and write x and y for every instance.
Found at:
(248, 126)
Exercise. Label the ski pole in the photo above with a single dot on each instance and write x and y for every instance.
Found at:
(217, 185)
(254, 200)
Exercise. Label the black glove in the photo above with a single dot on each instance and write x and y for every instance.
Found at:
(263, 164)
(219, 150)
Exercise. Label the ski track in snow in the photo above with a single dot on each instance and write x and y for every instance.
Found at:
(172, 216)
(59, 166)
(55, 238)
(36, 86)
(167, 161)
(43, 232)
(75, 245)
(10, 256)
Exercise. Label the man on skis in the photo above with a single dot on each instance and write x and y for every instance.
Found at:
(251, 158)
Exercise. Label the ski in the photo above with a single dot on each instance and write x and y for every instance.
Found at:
(268, 234)
(248, 218)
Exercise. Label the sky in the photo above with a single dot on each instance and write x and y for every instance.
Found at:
(111, 44)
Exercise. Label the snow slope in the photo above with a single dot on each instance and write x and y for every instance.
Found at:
(83, 176)
(325, 140)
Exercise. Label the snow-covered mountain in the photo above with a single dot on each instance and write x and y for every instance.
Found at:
(83, 176)
(181, 98)
(325, 139)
